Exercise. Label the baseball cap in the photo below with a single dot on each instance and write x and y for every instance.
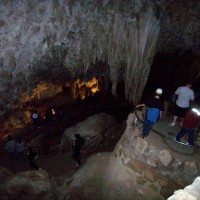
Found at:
(159, 91)
(35, 115)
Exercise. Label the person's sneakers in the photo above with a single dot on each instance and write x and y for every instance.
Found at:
(172, 124)
(143, 136)
(176, 140)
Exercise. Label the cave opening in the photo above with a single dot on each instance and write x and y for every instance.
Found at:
(171, 70)
(93, 89)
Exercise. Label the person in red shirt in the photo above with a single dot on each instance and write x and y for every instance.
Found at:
(190, 121)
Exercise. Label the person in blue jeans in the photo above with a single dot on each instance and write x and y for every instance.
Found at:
(190, 121)
(155, 106)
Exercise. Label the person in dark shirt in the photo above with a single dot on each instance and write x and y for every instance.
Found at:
(154, 111)
(78, 143)
(32, 157)
(36, 119)
(190, 121)
(49, 114)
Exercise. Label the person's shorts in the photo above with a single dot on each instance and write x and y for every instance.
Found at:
(180, 112)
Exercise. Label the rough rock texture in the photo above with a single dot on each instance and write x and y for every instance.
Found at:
(59, 40)
(4, 174)
(87, 182)
(135, 170)
(191, 192)
(27, 185)
(91, 130)
(179, 27)
(138, 168)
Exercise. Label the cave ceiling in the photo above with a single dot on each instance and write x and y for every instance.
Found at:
(58, 41)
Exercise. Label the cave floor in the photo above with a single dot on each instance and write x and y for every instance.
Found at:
(45, 139)
(60, 164)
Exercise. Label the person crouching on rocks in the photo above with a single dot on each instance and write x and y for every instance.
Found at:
(154, 111)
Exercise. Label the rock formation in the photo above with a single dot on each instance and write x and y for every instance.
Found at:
(57, 41)
(94, 130)
(136, 169)
(26, 185)
(140, 170)
(188, 193)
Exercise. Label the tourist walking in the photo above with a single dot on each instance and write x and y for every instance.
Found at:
(154, 111)
(184, 95)
(77, 144)
(10, 147)
(190, 121)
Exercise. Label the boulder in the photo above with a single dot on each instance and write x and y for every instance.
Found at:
(191, 192)
(94, 129)
(5, 174)
(34, 185)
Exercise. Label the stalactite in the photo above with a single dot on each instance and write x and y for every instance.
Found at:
(84, 33)
(136, 43)
(143, 47)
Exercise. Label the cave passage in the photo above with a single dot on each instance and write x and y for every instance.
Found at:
(169, 71)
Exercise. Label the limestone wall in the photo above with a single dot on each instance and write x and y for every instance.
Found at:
(140, 170)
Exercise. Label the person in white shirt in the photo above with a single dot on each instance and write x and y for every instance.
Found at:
(10, 147)
(184, 95)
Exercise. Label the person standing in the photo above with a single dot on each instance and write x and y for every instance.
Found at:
(190, 121)
(77, 144)
(154, 111)
(32, 158)
(36, 119)
(20, 149)
(184, 95)
(10, 147)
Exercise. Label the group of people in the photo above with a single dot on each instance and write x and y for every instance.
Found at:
(20, 151)
(15, 149)
(189, 114)
(52, 113)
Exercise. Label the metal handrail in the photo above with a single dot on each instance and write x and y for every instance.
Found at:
(163, 135)
(99, 134)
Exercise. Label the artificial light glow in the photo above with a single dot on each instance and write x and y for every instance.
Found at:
(196, 111)
(53, 112)
(85, 89)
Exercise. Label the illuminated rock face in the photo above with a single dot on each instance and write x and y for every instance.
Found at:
(92, 130)
(57, 41)
(139, 169)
